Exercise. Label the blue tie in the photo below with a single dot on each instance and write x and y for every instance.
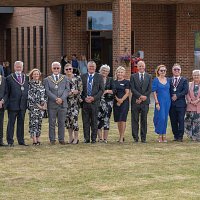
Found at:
(89, 86)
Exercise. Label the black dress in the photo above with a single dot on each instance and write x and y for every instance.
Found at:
(121, 112)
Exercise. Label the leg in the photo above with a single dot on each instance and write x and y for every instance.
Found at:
(174, 121)
(143, 124)
(86, 110)
(61, 124)
(32, 126)
(20, 126)
(94, 121)
(11, 125)
(99, 133)
(135, 121)
(181, 116)
(52, 123)
(71, 139)
(1, 125)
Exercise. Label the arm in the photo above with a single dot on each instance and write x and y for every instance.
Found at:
(66, 91)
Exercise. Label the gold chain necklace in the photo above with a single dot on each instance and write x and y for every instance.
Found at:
(56, 82)
(22, 84)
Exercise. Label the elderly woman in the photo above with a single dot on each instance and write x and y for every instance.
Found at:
(192, 119)
(106, 104)
(37, 104)
(73, 101)
(121, 101)
(161, 92)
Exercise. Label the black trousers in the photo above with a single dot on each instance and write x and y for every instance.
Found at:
(1, 124)
(139, 111)
(12, 116)
(90, 119)
(177, 116)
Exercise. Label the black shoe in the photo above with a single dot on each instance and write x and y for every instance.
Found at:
(180, 140)
(93, 141)
(143, 141)
(87, 141)
(136, 141)
(11, 145)
(62, 142)
(38, 143)
(52, 142)
(175, 140)
(3, 145)
(34, 143)
(23, 144)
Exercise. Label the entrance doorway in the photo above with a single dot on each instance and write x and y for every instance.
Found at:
(100, 48)
(8, 45)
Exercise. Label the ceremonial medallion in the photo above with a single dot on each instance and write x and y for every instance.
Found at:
(22, 88)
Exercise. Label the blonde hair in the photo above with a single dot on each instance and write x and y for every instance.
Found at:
(158, 68)
(118, 69)
(67, 65)
(31, 73)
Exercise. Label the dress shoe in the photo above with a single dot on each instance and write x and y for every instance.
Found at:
(143, 141)
(136, 141)
(93, 141)
(62, 142)
(23, 144)
(11, 145)
(52, 142)
(87, 141)
(180, 140)
(3, 145)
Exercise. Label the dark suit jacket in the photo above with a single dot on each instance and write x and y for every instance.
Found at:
(17, 99)
(181, 91)
(138, 90)
(97, 87)
(3, 91)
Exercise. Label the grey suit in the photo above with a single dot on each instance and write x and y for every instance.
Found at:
(90, 110)
(138, 89)
(55, 110)
(4, 96)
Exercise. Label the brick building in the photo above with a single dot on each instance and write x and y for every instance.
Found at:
(165, 32)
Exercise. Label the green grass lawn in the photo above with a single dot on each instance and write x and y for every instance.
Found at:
(101, 171)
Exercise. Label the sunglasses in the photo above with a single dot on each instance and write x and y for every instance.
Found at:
(176, 69)
(56, 68)
(69, 69)
(163, 70)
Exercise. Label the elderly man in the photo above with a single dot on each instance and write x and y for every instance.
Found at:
(141, 90)
(57, 88)
(178, 90)
(3, 100)
(17, 84)
(93, 88)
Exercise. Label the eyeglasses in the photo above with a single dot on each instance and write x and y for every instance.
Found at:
(163, 70)
(69, 69)
(56, 68)
(176, 69)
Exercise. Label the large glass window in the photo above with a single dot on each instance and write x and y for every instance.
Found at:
(99, 20)
(197, 50)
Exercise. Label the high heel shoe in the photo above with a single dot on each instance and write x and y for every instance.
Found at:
(38, 143)
(71, 141)
(34, 143)
(76, 142)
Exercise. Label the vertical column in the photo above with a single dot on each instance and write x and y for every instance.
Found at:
(121, 31)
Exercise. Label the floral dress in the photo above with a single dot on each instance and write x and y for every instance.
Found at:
(36, 96)
(73, 104)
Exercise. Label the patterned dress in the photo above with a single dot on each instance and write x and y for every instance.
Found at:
(105, 107)
(36, 96)
(73, 102)
(192, 121)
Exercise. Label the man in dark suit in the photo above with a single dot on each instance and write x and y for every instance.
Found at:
(141, 90)
(17, 84)
(178, 90)
(3, 100)
(93, 88)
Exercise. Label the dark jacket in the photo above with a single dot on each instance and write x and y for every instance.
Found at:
(3, 91)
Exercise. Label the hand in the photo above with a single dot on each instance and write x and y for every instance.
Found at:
(174, 97)
(89, 99)
(138, 101)
(118, 104)
(143, 98)
(195, 102)
(1, 104)
(158, 107)
(105, 92)
(59, 101)
(75, 92)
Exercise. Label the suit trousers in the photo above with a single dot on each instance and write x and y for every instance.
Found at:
(12, 116)
(1, 124)
(58, 113)
(177, 116)
(90, 119)
(139, 111)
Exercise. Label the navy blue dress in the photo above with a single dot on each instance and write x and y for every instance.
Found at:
(163, 94)
(121, 112)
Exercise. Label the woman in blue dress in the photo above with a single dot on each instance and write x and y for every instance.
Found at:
(121, 101)
(160, 88)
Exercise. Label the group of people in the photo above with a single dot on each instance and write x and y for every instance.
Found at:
(62, 95)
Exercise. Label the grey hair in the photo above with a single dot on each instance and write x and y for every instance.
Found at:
(56, 63)
(92, 63)
(19, 63)
(141, 62)
(195, 71)
(176, 65)
(104, 67)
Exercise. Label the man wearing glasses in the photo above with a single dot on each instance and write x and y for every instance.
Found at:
(57, 87)
(178, 90)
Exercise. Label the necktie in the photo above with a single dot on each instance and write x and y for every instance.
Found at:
(142, 79)
(89, 86)
(176, 82)
(19, 78)
(56, 77)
